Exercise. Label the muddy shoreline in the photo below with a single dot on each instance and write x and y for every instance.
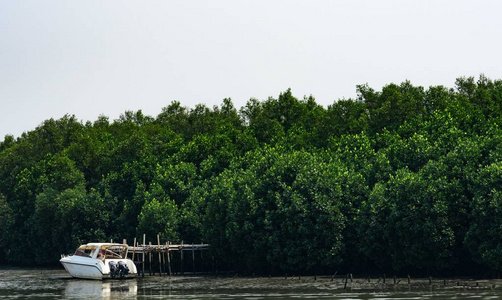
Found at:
(320, 283)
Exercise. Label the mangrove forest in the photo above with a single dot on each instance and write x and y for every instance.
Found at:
(402, 179)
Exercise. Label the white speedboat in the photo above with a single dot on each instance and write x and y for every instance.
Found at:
(99, 261)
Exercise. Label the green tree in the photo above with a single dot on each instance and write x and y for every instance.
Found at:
(406, 225)
(346, 117)
(289, 204)
(394, 105)
(5, 223)
(483, 238)
(158, 215)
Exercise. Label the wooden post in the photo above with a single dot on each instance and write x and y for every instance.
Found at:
(181, 256)
(193, 260)
(160, 255)
(333, 277)
(143, 264)
(150, 258)
(164, 260)
(134, 249)
(201, 261)
(169, 258)
(124, 241)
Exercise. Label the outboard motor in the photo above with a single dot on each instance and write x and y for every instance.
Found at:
(123, 269)
(114, 269)
(119, 269)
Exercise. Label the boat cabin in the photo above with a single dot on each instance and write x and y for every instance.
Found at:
(102, 251)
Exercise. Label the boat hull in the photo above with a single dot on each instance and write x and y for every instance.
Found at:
(84, 271)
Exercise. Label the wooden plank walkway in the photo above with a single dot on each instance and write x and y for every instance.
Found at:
(143, 254)
(167, 247)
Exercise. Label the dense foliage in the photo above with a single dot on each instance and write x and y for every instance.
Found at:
(401, 179)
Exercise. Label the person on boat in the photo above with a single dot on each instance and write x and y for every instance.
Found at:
(101, 254)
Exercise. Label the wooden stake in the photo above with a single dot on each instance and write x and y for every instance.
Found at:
(201, 261)
(143, 265)
(160, 255)
(181, 256)
(193, 259)
(150, 258)
(164, 260)
(134, 249)
(333, 277)
(168, 258)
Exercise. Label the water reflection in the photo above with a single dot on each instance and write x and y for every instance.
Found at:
(107, 289)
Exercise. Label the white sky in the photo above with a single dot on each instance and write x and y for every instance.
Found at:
(105, 57)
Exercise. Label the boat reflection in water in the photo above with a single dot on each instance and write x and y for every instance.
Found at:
(107, 289)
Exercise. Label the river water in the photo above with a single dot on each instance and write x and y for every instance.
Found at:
(56, 284)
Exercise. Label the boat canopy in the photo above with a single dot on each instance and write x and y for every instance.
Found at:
(86, 250)
(102, 251)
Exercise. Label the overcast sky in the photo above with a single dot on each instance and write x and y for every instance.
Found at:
(90, 58)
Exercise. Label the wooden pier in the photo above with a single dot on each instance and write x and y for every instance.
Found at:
(144, 255)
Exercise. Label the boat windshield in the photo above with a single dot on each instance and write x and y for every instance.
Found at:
(112, 251)
(85, 251)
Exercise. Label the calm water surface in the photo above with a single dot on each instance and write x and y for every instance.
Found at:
(56, 284)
